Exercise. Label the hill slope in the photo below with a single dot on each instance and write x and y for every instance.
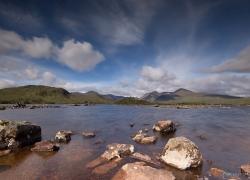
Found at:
(32, 94)
(184, 96)
(91, 97)
(132, 100)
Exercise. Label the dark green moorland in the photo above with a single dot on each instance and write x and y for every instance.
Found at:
(33, 94)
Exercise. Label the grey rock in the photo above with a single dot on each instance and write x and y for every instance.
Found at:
(116, 150)
(164, 126)
(143, 138)
(63, 136)
(45, 146)
(16, 134)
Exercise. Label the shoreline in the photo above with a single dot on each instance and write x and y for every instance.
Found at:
(176, 106)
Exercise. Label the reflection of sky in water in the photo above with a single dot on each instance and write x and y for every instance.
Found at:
(226, 130)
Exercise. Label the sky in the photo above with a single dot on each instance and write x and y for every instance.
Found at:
(127, 47)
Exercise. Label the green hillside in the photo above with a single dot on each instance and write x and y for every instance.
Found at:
(184, 96)
(32, 94)
(132, 100)
(89, 97)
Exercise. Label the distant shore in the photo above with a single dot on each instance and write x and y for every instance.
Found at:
(176, 106)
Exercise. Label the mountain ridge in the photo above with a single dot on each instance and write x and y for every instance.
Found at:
(184, 96)
(39, 94)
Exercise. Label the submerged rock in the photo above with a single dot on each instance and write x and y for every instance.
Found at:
(140, 171)
(96, 162)
(116, 150)
(245, 169)
(99, 141)
(16, 134)
(110, 158)
(2, 108)
(164, 126)
(131, 124)
(202, 137)
(4, 152)
(45, 146)
(140, 156)
(145, 158)
(181, 153)
(105, 168)
(216, 172)
(143, 138)
(63, 136)
(88, 134)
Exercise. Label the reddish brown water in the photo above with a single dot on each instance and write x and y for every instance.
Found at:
(227, 143)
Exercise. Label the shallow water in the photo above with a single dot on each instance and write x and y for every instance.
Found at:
(227, 143)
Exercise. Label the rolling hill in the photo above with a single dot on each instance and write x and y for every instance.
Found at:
(184, 96)
(33, 94)
(132, 100)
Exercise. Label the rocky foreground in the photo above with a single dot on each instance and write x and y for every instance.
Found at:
(179, 152)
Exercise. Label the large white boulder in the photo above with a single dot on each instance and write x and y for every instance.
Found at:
(181, 153)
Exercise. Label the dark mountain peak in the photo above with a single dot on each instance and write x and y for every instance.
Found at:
(92, 92)
(152, 96)
(183, 92)
(153, 93)
(113, 97)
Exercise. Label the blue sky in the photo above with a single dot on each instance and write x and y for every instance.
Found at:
(127, 47)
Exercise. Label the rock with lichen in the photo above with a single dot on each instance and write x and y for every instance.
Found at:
(16, 134)
(181, 153)
(143, 138)
(164, 126)
(63, 136)
(116, 150)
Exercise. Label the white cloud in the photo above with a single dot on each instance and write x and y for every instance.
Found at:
(231, 84)
(9, 40)
(31, 73)
(149, 79)
(121, 28)
(37, 47)
(155, 74)
(4, 83)
(119, 23)
(16, 70)
(240, 63)
(79, 56)
(48, 78)
(161, 80)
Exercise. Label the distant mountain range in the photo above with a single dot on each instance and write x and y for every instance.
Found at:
(33, 94)
(184, 96)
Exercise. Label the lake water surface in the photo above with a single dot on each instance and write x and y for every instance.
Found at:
(226, 144)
